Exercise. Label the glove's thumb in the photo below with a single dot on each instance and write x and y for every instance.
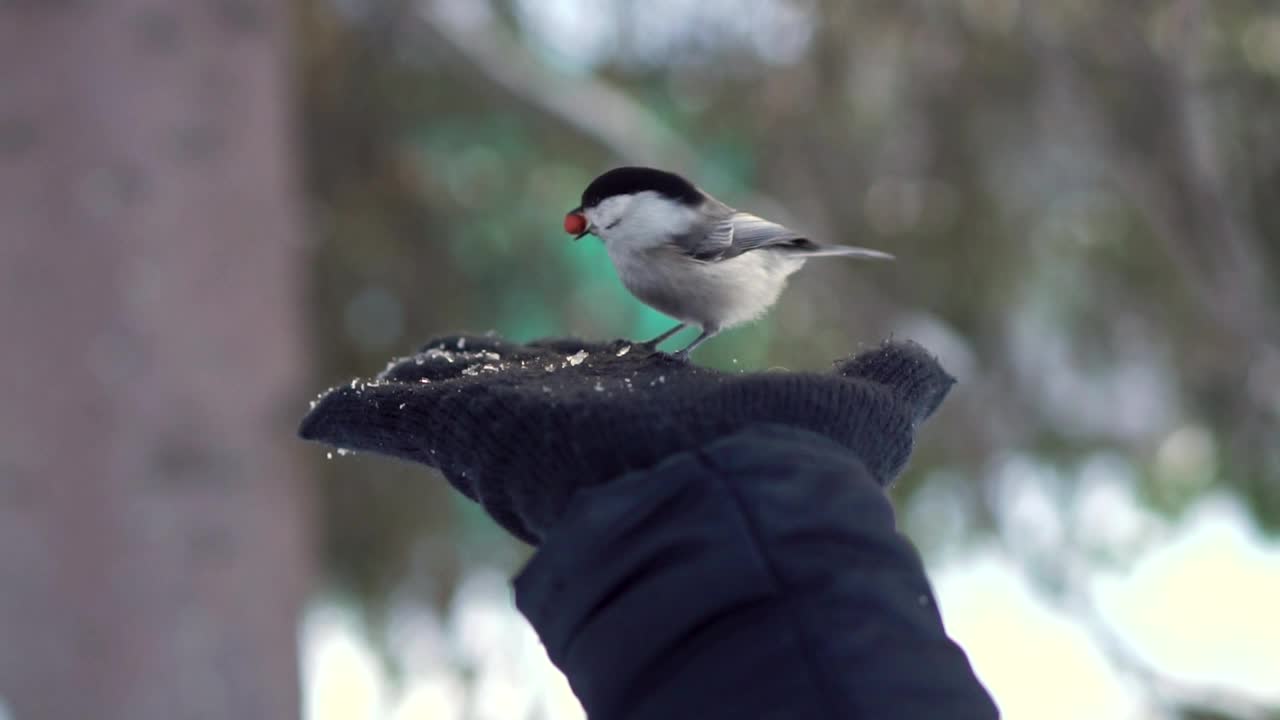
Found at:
(386, 418)
(908, 370)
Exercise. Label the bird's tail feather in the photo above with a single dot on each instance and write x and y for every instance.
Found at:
(848, 251)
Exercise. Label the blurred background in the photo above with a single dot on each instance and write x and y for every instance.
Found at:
(211, 210)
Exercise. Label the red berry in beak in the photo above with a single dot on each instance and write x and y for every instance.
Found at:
(575, 223)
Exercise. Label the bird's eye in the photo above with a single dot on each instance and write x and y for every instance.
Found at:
(613, 224)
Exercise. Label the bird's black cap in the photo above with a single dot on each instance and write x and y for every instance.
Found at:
(631, 180)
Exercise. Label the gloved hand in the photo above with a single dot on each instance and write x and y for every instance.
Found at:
(519, 428)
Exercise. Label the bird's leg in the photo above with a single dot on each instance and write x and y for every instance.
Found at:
(653, 344)
(707, 334)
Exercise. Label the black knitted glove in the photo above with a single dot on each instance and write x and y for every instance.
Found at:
(518, 428)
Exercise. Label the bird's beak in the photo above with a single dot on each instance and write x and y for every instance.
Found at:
(576, 223)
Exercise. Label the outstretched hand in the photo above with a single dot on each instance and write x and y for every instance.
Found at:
(520, 427)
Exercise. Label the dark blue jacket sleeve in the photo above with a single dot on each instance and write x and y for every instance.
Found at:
(758, 577)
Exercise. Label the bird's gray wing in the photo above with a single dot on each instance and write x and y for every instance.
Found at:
(741, 232)
(738, 232)
(735, 233)
(749, 232)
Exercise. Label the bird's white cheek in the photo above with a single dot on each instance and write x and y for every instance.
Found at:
(593, 220)
(651, 221)
(605, 215)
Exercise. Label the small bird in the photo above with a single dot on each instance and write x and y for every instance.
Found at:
(690, 256)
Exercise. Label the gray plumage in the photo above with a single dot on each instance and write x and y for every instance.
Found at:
(739, 232)
(692, 257)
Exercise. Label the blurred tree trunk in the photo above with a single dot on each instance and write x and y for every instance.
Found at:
(152, 562)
